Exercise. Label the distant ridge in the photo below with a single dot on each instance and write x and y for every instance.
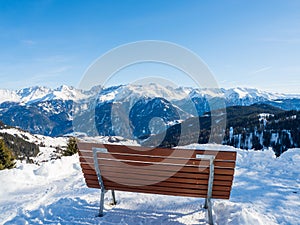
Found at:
(51, 112)
(64, 92)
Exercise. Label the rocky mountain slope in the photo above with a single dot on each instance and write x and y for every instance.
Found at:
(127, 110)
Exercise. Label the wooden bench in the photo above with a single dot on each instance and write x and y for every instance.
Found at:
(179, 172)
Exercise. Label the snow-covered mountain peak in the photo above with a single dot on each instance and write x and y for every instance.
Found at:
(251, 93)
(242, 92)
(40, 94)
(65, 92)
(8, 95)
(134, 91)
(33, 93)
(95, 90)
(206, 93)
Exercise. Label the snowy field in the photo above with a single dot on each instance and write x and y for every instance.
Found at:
(266, 191)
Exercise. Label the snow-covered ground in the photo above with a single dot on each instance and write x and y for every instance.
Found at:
(47, 145)
(266, 190)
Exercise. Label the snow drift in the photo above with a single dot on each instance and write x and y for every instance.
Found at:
(266, 190)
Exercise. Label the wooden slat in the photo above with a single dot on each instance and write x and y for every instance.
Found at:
(88, 170)
(110, 175)
(140, 182)
(124, 166)
(158, 159)
(161, 190)
(156, 169)
(199, 165)
(89, 145)
(88, 157)
(157, 187)
(182, 153)
(160, 168)
(137, 183)
(179, 182)
(220, 155)
(160, 186)
(89, 154)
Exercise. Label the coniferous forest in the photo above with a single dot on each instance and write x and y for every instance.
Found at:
(247, 127)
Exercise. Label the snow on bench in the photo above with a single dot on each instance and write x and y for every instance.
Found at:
(178, 172)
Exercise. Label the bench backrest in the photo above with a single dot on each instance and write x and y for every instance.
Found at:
(161, 171)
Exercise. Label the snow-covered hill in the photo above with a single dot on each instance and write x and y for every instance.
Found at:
(265, 191)
(49, 148)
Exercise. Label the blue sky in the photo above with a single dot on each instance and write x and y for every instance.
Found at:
(244, 43)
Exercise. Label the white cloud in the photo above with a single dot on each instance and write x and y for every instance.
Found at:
(59, 70)
(263, 69)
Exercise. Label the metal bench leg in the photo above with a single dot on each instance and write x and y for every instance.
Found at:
(114, 202)
(101, 203)
(209, 210)
(207, 204)
(98, 172)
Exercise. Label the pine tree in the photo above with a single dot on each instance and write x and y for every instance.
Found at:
(7, 160)
(256, 143)
(72, 147)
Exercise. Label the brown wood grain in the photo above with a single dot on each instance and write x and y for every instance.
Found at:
(182, 153)
(158, 171)
(180, 174)
(160, 190)
(155, 159)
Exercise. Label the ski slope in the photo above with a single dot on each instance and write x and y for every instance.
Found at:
(266, 191)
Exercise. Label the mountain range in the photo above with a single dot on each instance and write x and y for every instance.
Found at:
(233, 96)
(131, 111)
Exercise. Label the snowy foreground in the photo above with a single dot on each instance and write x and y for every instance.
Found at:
(266, 191)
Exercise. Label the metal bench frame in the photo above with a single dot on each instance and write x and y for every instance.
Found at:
(207, 204)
